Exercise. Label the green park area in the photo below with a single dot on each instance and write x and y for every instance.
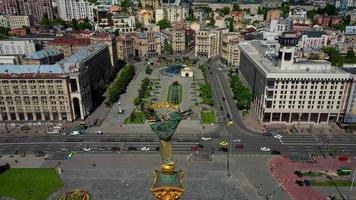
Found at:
(330, 183)
(208, 117)
(175, 93)
(29, 184)
(136, 117)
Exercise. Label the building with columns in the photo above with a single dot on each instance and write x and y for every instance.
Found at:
(290, 90)
(64, 91)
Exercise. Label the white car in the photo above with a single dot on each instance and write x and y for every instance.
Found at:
(87, 149)
(206, 138)
(236, 140)
(64, 149)
(145, 149)
(75, 133)
(265, 149)
(99, 132)
(277, 136)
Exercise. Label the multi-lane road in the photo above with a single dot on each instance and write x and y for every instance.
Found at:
(224, 104)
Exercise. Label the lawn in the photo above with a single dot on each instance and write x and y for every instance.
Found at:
(29, 184)
(329, 183)
(311, 174)
(208, 117)
(136, 117)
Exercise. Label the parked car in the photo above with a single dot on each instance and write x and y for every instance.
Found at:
(99, 132)
(275, 152)
(102, 149)
(157, 148)
(300, 183)
(223, 143)
(200, 146)
(194, 149)
(206, 138)
(25, 128)
(239, 146)
(87, 149)
(75, 133)
(145, 149)
(277, 136)
(223, 98)
(266, 134)
(236, 140)
(115, 148)
(64, 149)
(298, 173)
(265, 149)
(132, 148)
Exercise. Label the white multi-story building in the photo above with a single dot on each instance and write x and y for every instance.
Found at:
(17, 47)
(207, 42)
(350, 30)
(159, 14)
(176, 13)
(170, 2)
(276, 28)
(288, 90)
(297, 12)
(15, 21)
(75, 9)
(313, 39)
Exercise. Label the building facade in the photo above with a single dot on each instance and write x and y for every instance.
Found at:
(68, 45)
(230, 52)
(75, 9)
(124, 47)
(21, 21)
(147, 44)
(271, 3)
(207, 42)
(313, 39)
(175, 13)
(178, 38)
(291, 91)
(17, 47)
(64, 91)
(43, 57)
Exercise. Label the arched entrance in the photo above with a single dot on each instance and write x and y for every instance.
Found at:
(186, 74)
(76, 107)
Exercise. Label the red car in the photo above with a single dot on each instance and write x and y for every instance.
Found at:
(115, 149)
(239, 146)
(194, 149)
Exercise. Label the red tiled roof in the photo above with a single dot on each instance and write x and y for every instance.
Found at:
(237, 13)
(70, 41)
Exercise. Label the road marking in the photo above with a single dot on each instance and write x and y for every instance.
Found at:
(318, 144)
(222, 89)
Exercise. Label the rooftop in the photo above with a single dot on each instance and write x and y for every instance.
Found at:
(65, 66)
(43, 53)
(264, 55)
(314, 33)
(70, 41)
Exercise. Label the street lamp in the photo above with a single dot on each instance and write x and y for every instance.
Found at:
(225, 145)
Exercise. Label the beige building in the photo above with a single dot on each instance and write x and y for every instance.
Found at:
(43, 57)
(175, 13)
(178, 38)
(150, 3)
(110, 41)
(230, 51)
(68, 45)
(124, 47)
(207, 42)
(147, 44)
(64, 91)
(19, 21)
(4, 21)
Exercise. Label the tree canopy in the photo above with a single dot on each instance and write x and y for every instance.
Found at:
(163, 24)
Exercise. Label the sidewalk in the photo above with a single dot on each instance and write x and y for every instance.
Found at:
(283, 171)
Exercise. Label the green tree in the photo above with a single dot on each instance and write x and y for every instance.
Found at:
(167, 47)
(163, 24)
(212, 22)
(330, 10)
(350, 53)
(230, 24)
(236, 7)
(139, 26)
(191, 18)
(148, 70)
(125, 4)
(75, 25)
(45, 20)
(225, 10)
(285, 9)
(334, 56)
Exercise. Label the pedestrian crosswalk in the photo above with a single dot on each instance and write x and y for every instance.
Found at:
(347, 140)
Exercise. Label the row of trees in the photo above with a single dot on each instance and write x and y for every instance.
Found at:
(241, 93)
(143, 92)
(120, 84)
(205, 91)
(338, 59)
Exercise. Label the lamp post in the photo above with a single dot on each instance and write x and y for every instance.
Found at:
(352, 184)
(228, 149)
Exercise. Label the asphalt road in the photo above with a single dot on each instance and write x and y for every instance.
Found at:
(225, 105)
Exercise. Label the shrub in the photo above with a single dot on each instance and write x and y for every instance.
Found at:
(4, 168)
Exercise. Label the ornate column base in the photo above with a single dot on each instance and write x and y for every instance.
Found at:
(167, 183)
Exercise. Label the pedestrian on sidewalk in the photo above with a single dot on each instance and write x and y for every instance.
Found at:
(94, 165)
